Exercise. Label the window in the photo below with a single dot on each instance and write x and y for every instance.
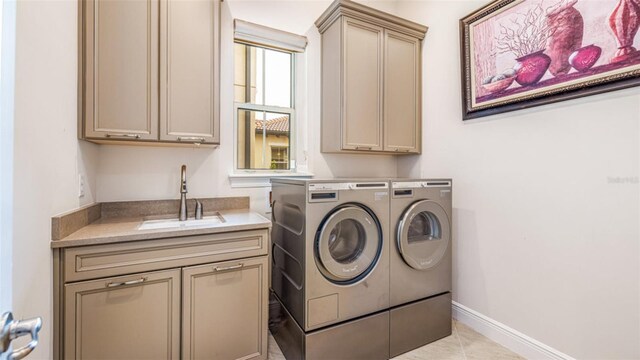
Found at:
(264, 78)
(264, 107)
(279, 157)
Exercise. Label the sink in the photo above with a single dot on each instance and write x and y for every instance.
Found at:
(177, 224)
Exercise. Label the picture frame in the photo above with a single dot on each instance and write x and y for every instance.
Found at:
(517, 54)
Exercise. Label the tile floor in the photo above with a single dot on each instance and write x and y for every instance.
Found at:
(464, 343)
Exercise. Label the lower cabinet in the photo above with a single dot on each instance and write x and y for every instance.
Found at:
(126, 317)
(207, 304)
(224, 313)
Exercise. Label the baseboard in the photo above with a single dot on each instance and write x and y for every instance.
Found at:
(506, 336)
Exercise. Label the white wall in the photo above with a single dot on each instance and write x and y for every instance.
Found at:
(132, 173)
(545, 241)
(47, 155)
(7, 85)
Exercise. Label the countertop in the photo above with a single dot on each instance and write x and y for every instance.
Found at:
(117, 230)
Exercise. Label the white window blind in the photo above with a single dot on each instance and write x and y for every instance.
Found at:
(255, 34)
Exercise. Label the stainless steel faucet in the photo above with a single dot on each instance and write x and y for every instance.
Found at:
(182, 216)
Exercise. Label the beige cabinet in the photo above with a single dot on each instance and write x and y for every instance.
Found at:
(119, 301)
(145, 309)
(225, 310)
(370, 80)
(189, 71)
(402, 118)
(150, 71)
(121, 69)
(362, 45)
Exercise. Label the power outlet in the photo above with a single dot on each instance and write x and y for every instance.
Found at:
(80, 185)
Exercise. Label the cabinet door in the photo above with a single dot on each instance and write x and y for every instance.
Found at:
(190, 43)
(401, 93)
(121, 69)
(127, 317)
(224, 312)
(362, 85)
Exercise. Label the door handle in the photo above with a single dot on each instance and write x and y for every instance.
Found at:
(12, 329)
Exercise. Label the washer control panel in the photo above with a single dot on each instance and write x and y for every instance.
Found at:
(348, 186)
(326, 192)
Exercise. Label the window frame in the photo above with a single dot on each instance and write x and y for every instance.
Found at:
(290, 111)
(260, 36)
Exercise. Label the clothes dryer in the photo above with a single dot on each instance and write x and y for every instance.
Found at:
(420, 262)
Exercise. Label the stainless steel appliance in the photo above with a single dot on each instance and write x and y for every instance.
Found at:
(331, 266)
(420, 263)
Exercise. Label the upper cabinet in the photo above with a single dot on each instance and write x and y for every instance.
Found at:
(150, 71)
(121, 69)
(401, 93)
(371, 71)
(362, 84)
(189, 44)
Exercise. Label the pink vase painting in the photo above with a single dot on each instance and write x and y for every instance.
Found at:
(566, 27)
(625, 21)
(584, 58)
(531, 68)
(517, 51)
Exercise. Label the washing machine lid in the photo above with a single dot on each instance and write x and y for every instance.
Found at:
(424, 234)
(348, 244)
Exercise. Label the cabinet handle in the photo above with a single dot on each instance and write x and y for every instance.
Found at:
(403, 150)
(363, 147)
(135, 136)
(191, 138)
(130, 282)
(218, 269)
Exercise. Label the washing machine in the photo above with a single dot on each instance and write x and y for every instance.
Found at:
(420, 262)
(330, 268)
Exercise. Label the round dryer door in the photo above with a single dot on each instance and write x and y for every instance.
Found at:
(348, 244)
(424, 233)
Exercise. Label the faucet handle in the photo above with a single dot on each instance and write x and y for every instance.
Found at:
(198, 215)
(183, 179)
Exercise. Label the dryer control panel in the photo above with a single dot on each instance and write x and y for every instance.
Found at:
(420, 184)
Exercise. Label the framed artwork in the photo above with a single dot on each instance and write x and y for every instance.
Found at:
(522, 53)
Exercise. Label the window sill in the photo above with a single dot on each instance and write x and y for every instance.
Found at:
(261, 179)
